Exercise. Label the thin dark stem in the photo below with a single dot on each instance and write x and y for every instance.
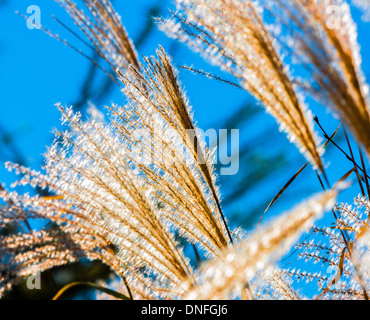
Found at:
(347, 156)
(197, 256)
(224, 220)
(209, 181)
(353, 159)
(347, 246)
(127, 288)
(364, 168)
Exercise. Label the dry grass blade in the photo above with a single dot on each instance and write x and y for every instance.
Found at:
(282, 190)
(115, 294)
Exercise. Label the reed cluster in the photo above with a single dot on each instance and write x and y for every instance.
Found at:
(126, 184)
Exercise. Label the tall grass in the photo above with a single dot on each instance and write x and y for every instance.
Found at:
(124, 185)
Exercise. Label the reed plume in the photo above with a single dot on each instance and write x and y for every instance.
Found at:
(128, 181)
(324, 40)
(165, 87)
(239, 264)
(125, 185)
(108, 201)
(169, 127)
(104, 31)
(328, 248)
(273, 284)
(232, 35)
